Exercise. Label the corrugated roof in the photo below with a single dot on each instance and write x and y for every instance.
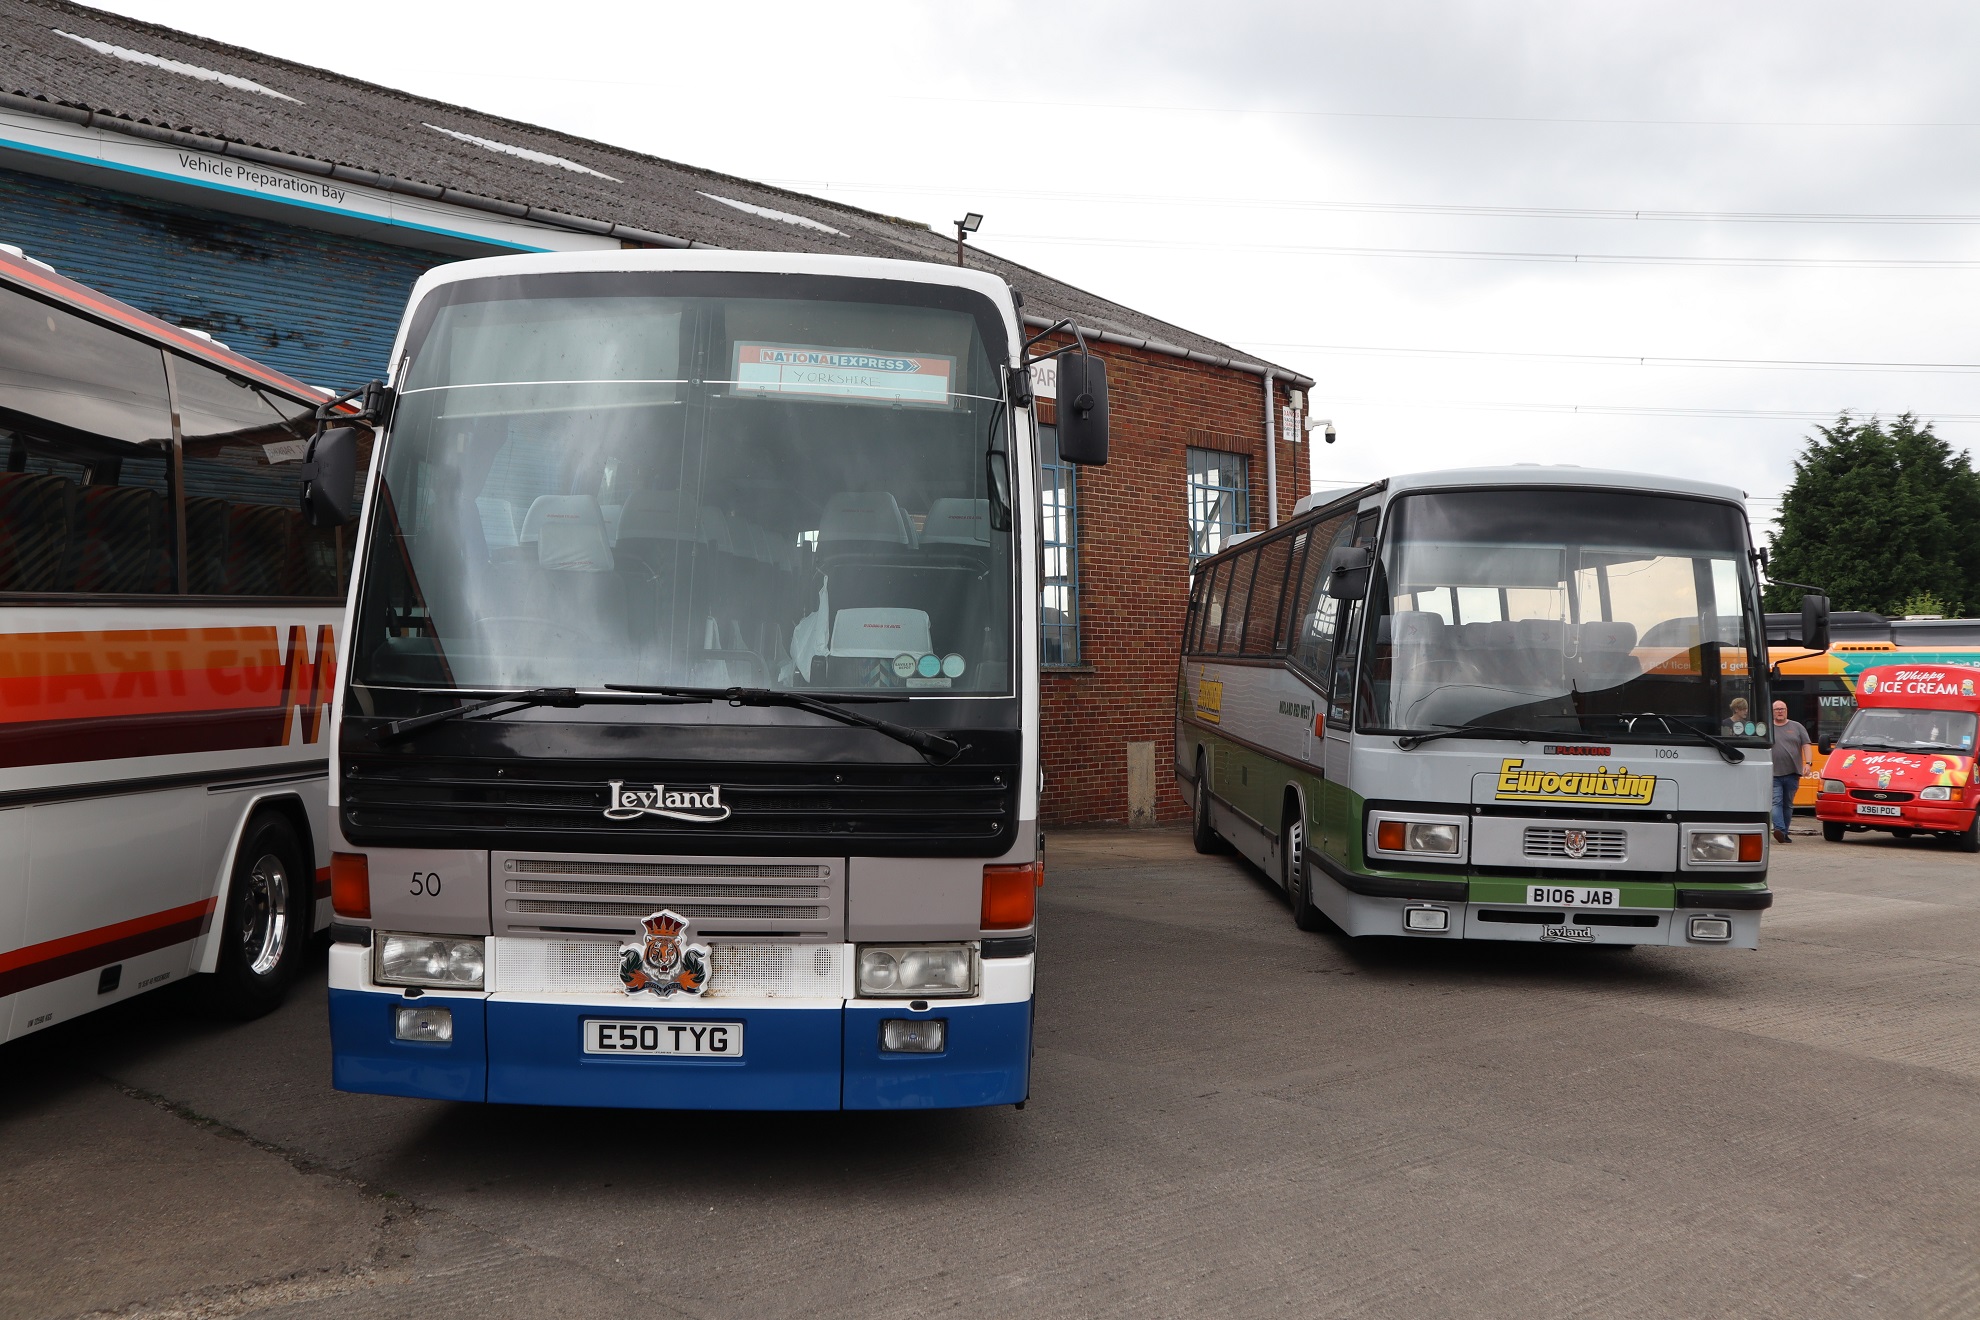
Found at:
(138, 72)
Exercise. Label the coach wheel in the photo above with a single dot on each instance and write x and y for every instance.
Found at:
(1292, 862)
(264, 937)
(1832, 830)
(1201, 832)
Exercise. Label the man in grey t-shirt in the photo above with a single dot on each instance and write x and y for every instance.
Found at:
(1790, 745)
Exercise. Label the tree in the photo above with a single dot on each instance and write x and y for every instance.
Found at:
(1877, 514)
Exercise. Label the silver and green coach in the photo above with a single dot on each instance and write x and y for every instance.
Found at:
(1523, 703)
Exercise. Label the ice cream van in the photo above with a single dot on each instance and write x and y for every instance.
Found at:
(1905, 762)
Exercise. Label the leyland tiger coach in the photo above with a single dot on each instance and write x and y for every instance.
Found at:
(1502, 703)
(686, 737)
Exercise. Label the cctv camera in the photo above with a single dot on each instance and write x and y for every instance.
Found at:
(1329, 435)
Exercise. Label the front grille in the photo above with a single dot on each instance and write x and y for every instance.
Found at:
(635, 911)
(737, 968)
(1879, 795)
(612, 895)
(559, 805)
(1597, 845)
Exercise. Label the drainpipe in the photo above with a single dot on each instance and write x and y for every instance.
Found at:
(1271, 458)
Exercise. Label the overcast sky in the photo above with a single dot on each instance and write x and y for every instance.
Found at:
(1205, 163)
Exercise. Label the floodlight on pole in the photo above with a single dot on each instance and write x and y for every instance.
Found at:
(969, 224)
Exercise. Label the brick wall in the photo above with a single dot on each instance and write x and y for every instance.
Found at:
(1134, 574)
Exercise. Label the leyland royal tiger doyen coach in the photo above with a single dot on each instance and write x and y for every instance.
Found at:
(686, 751)
(1520, 703)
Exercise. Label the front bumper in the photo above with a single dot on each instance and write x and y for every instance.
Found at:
(1473, 917)
(510, 1049)
(1950, 817)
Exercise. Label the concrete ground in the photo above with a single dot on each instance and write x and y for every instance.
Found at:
(1229, 1117)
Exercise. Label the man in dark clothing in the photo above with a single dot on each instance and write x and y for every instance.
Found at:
(1790, 747)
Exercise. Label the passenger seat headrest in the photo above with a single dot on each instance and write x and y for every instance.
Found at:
(660, 515)
(1608, 637)
(957, 522)
(1420, 628)
(880, 633)
(569, 531)
(1542, 634)
(872, 516)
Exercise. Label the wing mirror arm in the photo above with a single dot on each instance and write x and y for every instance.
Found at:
(329, 468)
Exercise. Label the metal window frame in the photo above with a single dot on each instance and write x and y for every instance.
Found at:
(1063, 479)
(1225, 500)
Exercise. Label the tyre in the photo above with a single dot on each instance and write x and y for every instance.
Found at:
(1201, 832)
(1832, 830)
(265, 933)
(1969, 841)
(1292, 868)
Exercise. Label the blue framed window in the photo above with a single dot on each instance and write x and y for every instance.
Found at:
(1219, 500)
(1058, 543)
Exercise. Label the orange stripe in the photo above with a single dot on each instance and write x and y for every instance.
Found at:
(49, 949)
(104, 675)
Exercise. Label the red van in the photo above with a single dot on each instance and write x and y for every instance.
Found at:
(1905, 763)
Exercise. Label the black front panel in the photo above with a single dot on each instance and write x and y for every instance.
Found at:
(535, 795)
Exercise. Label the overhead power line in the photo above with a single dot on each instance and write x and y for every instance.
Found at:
(1546, 258)
(1609, 410)
(1633, 360)
(1401, 208)
(1301, 113)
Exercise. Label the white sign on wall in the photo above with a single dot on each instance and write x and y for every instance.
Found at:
(1045, 379)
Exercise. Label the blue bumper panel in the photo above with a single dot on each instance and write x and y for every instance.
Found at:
(986, 1061)
(790, 1060)
(364, 1056)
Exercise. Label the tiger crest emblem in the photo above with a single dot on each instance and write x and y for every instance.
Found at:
(662, 960)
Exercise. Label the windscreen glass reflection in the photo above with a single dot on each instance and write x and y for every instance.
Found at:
(1562, 611)
(713, 492)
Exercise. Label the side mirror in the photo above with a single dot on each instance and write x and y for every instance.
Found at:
(1348, 578)
(329, 473)
(1083, 409)
(1827, 745)
(1815, 622)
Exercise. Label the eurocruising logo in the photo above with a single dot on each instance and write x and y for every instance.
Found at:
(700, 806)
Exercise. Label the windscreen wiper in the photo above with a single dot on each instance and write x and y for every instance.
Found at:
(1411, 741)
(938, 749)
(1729, 753)
(515, 701)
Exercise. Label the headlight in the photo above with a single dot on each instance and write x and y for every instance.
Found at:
(1936, 793)
(916, 971)
(1725, 846)
(445, 962)
(1438, 838)
(1834, 786)
(1715, 847)
(1422, 837)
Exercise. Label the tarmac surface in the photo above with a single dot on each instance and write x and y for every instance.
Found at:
(1228, 1117)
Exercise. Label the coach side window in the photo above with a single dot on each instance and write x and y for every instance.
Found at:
(1313, 635)
(86, 431)
(1216, 579)
(245, 533)
(1238, 601)
(1261, 615)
